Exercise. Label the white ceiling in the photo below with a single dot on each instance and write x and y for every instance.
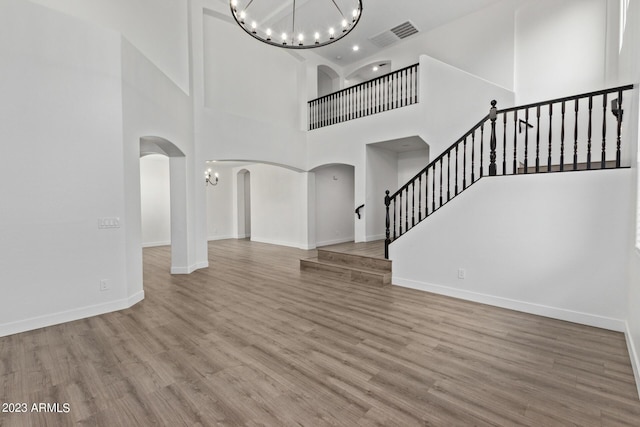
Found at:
(382, 15)
(377, 16)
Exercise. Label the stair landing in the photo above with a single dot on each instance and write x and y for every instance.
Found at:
(355, 262)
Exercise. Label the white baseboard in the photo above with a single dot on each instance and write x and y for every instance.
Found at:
(155, 244)
(222, 237)
(633, 355)
(335, 241)
(190, 268)
(609, 323)
(69, 316)
(303, 246)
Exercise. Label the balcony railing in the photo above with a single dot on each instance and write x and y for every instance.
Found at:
(390, 91)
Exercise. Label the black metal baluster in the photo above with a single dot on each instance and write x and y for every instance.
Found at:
(550, 137)
(406, 83)
(589, 131)
(433, 189)
(493, 116)
(604, 132)
(526, 141)
(406, 210)
(395, 227)
(413, 202)
(410, 93)
(420, 197)
(387, 232)
(619, 130)
(376, 98)
(426, 193)
(448, 175)
(515, 141)
(400, 212)
(504, 144)
(440, 181)
(464, 164)
(396, 91)
(562, 139)
(332, 109)
(456, 172)
(473, 156)
(575, 139)
(482, 150)
(538, 139)
(417, 89)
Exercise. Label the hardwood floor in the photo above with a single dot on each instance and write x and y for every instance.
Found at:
(253, 341)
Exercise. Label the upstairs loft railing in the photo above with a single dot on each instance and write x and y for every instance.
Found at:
(390, 91)
(581, 132)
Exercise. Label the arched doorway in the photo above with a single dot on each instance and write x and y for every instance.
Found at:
(177, 198)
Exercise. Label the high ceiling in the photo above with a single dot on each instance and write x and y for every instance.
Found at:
(378, 16)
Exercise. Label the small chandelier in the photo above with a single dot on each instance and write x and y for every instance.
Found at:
(312, 23)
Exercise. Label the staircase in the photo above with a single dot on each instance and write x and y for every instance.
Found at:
(350, 267)
(575, 133)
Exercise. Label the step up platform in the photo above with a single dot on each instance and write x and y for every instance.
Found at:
(355, 268)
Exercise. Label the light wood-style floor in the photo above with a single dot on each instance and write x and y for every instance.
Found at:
(253, 341)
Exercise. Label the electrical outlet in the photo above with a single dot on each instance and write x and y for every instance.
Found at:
(104, 223)
(461, 273)
(104, 285)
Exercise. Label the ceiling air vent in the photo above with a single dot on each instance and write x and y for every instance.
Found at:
(393, 35)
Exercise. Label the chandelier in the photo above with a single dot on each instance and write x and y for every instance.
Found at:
(309, 24)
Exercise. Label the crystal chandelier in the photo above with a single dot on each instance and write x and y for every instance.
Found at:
(309, 24)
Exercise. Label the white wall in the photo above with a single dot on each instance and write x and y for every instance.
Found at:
(381, 175)
(334, 204)
(560, 48)
(325, 83)
(279, 206)
(410, 163)
(481, 43)
(548, 244)
(155, 198)
(154, 107)
(219, 202)
(158, 28)
(62, 169)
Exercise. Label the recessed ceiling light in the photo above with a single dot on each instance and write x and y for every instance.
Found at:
(356, 48)
(375, 68)
(338, 57)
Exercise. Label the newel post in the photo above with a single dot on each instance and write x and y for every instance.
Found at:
(387, 240)
(493, 115)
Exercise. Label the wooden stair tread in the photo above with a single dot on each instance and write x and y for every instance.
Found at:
(315, 260)
(357, 274)
(353, 260)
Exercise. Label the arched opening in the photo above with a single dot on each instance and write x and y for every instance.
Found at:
(368, 72)
(334, 204)
(177, 196)
(244, 204)
(328, 80)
